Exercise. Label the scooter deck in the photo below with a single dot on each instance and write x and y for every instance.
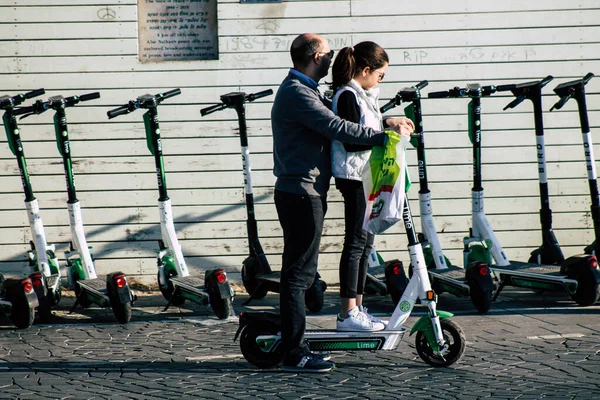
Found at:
(534, 276)
(191, 287)
(97, 289)
(451, 279)
(376, 279)
(272, 277)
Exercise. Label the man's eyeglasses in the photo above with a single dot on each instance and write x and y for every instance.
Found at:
(329, 54)
(380, 75)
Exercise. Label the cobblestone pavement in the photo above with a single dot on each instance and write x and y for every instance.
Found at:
(527, 347)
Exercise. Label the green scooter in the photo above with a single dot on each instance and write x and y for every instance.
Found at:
(45, 272)
(114, 291)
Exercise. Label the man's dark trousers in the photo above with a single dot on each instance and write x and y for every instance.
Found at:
(301, 218)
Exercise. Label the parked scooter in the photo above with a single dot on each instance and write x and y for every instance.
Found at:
(174, 279)
(257, 276)
(576, 90)
(474, 279)
(45, 272)
(542, 271)
(114, 290)
(440, 342)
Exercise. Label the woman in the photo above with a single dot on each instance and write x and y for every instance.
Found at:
(356, 72)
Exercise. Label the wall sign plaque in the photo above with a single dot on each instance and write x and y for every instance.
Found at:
(177, 30)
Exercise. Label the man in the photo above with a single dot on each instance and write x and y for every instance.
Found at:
(303, 128)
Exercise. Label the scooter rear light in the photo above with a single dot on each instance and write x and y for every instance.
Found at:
(483, 271)
(120, 281)
(593, 262)
(36, 279)
(397, 270)
(27, 286)
(221, 275)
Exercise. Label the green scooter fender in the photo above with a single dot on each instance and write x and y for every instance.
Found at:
(424, 325)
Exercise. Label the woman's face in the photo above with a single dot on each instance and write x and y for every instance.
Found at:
(369, 78)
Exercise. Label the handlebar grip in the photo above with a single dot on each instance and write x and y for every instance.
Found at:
(23, 110)
(118, 111)
(559, 104)
(387, 106)
(504, 88)
(514, 103)
(546, 80)
(89, 96)
(587, 77)
(212, 109)
(34, 93)
(421, 84)
(438, 95)
(170, 93)
(258, 95)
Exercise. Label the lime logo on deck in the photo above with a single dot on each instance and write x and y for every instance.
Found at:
(404, 306)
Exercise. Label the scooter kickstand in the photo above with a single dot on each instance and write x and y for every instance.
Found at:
(499, 288)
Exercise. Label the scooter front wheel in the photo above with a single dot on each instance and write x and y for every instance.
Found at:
(251, 350)
(453, 335)
(167, 291)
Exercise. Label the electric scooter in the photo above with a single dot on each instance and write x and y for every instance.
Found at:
(257, 276)
(440, 342)
(576, 89)
(89, 289)
(536, 274)
(474, 279)
(174, 279)
(45, 272)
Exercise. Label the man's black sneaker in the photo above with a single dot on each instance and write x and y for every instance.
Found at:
(325, 355)
(311, 363)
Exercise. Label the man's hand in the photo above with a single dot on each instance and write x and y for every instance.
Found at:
(402, 125)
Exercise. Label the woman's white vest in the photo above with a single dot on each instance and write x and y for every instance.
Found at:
(349, 165)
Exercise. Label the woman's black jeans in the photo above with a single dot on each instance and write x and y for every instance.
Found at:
(358, 243)
(301, 218)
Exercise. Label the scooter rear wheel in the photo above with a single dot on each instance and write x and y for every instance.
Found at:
(455, 337)
(588, 291)
(250, 349)
(315, 296)
(121, 310)
(481, 299)
(221, 307)
(22, 315)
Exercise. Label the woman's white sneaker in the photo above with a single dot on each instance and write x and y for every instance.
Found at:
(357, 321)
(371, 317)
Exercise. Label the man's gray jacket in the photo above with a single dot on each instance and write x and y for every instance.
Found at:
(303, 127)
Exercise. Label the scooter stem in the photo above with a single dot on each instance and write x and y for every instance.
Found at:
(169, 237)
(79, 241)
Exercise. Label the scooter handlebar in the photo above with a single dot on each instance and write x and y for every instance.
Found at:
(212, 109)
(258, 95)
(587, 77)
(388, 106)
(439, 95)
(89, 96)
(515, 102)
(126, 109)
(421, 84)
(34, 93)
(170, 93)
